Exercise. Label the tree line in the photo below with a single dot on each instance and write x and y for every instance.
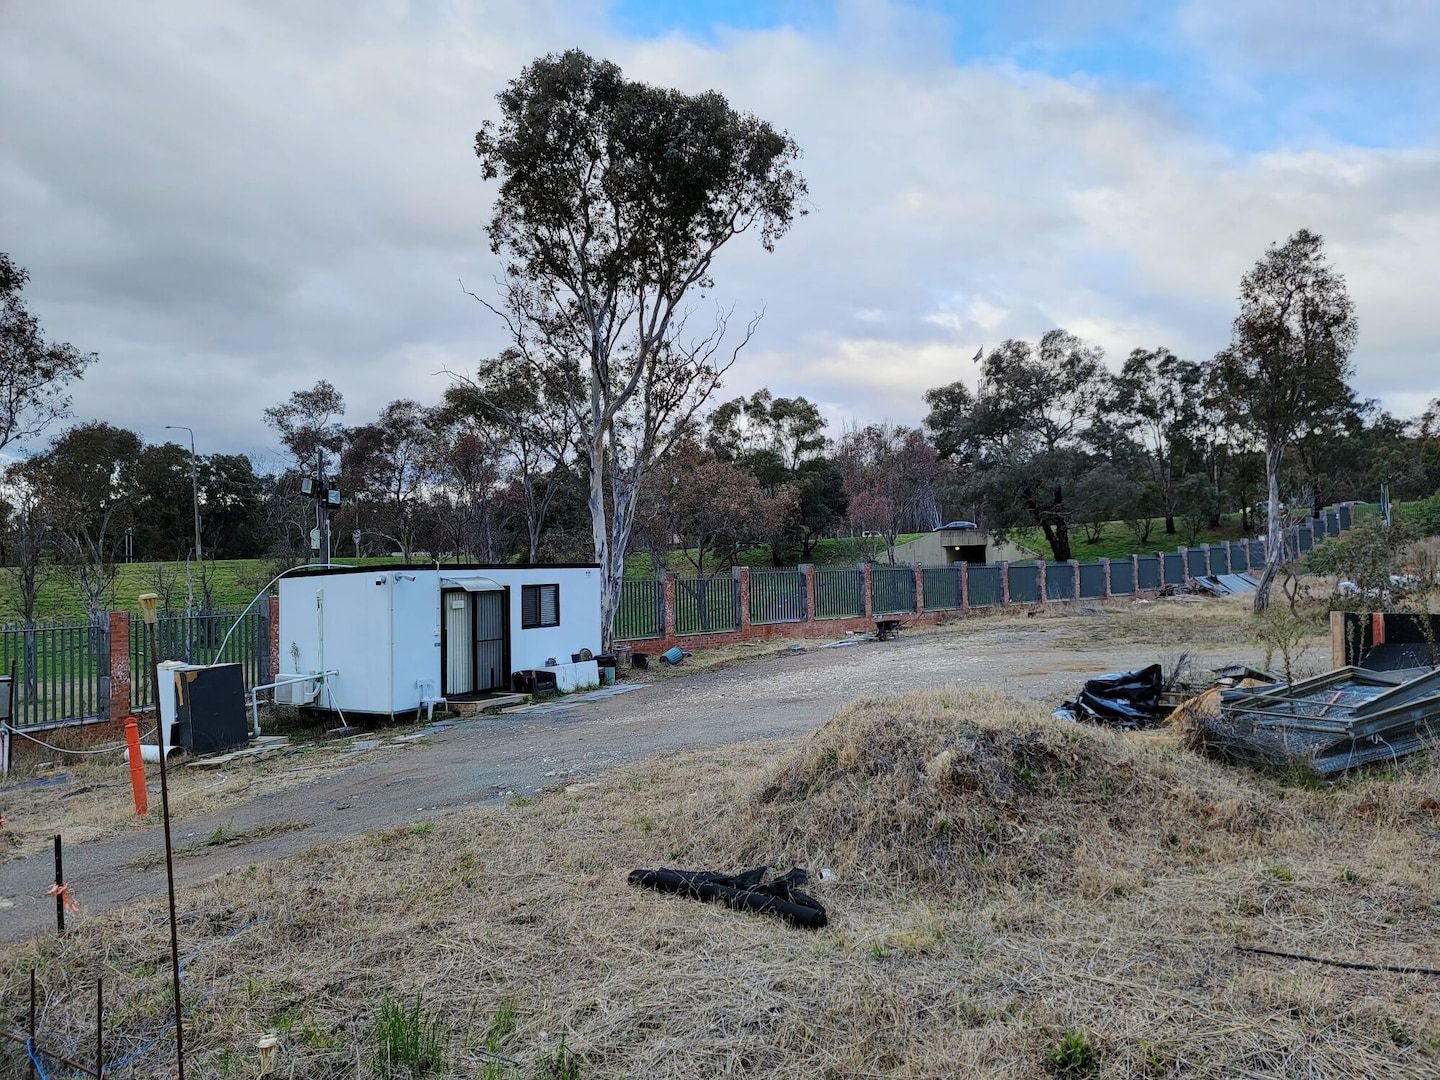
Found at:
(599, 432)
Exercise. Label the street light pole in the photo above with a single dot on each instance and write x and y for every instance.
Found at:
(194, 486)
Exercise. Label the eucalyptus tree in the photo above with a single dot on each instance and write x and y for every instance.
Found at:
(35, 374)
(615, 197)
(1288, 362)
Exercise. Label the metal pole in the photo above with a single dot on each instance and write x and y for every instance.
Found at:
(30, 1045)
(194, 486)
(147, 607)
(100, 1029)
(59, 888)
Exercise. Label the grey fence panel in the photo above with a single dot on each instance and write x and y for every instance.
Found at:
(1092, 579)
(1343, 512)
(984, 585)
(706, 605)
(196, 639)
(777, 596)
(1256, 550)
(640, 613)
(1220, 558)
(1059, 581)
(1122, 577)
(1172, 568)
(942, 587)
(1332, 523)
(1149, 573)
(1024, 584)
(839, 594)
(59, 668)
(1195, 558)
(1321, 525)
(894, 588)
(1306, 537)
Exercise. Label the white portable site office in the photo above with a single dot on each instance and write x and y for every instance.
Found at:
(395, 638)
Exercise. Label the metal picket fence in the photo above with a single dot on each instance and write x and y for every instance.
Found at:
(984, 585)
(1149, 573)
(196, 639)
(1122, 577)
(706, 605)
(942, 587)
(1059, 581)
(61, 671)
(777, 595)
(839, 594)
(893, 588)
(640, 613)
(1024, 584)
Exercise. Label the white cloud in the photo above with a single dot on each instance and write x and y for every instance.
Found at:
(228, 202)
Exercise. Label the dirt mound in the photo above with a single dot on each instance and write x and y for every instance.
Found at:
(957, 789)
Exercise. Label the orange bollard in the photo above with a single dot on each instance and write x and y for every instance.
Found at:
(137, 766)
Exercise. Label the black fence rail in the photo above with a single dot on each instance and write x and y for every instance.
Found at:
(706, 605)
(894, 589)
(62, 672)
(777, 596)
(196, 639)
(839, 594)
(640, 614)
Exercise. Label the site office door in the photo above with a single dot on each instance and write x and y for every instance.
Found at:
(477, 653)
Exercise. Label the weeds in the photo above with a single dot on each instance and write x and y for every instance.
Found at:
(407, 1043)
(1073, 1057)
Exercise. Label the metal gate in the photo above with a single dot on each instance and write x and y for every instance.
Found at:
(490, 671)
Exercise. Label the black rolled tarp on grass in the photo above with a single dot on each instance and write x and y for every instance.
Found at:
(748, 891)
(1124, 699)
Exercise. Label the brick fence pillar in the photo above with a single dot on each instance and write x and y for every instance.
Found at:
(1184, 565)
(667, 604)
(963, 569)
(1075, 578)
(1042, 577)
(919, 572)
(119, 666)
(1134, 575)
(1209, 566)
(867, 588)
(275, 668)
(808, 569)
(1106, 590)
(742, 580)
(1004, 584)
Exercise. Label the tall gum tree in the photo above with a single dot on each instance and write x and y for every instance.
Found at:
(614, 199)
(1287, 364)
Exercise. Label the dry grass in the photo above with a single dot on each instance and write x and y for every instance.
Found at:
(1000, 879)
(95, 801)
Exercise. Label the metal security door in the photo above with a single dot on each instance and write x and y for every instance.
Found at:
(490, 673)
(459, 642)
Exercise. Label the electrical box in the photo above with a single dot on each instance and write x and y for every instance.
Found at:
(212, 708)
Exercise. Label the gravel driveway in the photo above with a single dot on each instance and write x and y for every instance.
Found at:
(492, 759)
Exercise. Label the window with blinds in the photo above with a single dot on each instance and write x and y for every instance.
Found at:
(539, 606)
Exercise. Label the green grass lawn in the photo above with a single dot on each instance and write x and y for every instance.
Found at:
(837, 551)
(1118, 541)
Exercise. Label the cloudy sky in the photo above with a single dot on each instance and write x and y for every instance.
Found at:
(228, 201)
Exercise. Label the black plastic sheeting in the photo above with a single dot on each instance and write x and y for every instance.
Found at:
(1123, 699)
(748, 891)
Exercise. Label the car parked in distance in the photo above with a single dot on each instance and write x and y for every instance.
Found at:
(956, 525)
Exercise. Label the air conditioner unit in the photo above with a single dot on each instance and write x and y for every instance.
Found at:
(296, 689)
